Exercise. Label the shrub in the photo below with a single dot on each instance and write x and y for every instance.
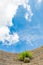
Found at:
(24, 54)
(21, 56)
(28, 54)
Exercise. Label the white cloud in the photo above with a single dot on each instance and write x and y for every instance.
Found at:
(39, 1)
(38, 4)
(30, 38)
(8, 9)
(7, 38)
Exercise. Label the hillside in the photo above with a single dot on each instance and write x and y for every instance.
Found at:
(12, 58)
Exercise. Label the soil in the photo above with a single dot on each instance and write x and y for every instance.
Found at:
(12, 58)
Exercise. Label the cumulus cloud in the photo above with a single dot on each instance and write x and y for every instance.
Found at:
(8, 9)
(6, 37)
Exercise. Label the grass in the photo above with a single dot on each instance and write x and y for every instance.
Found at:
(25, 54)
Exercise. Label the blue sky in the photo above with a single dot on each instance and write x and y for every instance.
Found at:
(21, 25)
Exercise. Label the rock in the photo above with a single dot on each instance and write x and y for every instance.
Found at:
(26, 60)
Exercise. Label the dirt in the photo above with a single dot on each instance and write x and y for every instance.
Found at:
(12, 58)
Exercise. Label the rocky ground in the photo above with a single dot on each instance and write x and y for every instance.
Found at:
(12, 59)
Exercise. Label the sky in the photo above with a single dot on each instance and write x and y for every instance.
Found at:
(21, 25)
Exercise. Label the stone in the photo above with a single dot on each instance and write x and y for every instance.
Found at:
(26, 60)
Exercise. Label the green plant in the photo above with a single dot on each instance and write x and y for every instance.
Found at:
(21, 56)
(24, 54)
(28, 54)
